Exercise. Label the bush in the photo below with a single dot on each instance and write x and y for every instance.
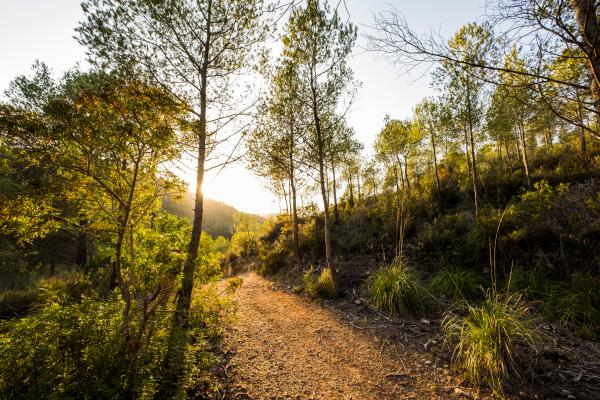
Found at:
(70, 351)
(395, 289)
(273, 260)
(486, 339)
(319, 284)
(456, 283)
(325, 284)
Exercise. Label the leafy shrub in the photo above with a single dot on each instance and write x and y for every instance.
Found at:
(55, 290)
(234, 284)
(487, 337)
(456, 283)
(69, 351)
(319, 284)
(395, 289)
(325, 284)
(273, 260)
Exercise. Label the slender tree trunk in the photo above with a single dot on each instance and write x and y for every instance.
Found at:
(510, 167)
(187, 279)
(467, 153)
(351, 190)
(435, 165)
(322, 179)
(293, 195)
(336, 213)
(358, 188)
(285, 197)
(524, 154)
(582, 141)
(472, 143)
(406, 172)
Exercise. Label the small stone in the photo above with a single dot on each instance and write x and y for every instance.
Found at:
(570, 396)
(357, 302)
(425, 321)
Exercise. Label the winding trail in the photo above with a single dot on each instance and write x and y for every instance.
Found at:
(285, 347)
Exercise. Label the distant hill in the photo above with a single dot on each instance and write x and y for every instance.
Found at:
(218, 216)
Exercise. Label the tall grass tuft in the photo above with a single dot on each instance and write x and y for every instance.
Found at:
(396, 289)
(456, 284)
(487, 339)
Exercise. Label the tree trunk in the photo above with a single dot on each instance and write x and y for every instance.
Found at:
(510, 167)
(336, 213)
(351, 190)
(358, 189)
(406, 172)
(586, 14)
(467, 153)
(435, 165)
(187, 279)
(472, 143)
(322, 179)
(582, 141)
(524, 154)
(294, 206)
(285, 198)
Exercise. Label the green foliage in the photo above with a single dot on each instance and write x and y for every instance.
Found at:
(456, 283)
(69, 351)
(542, 198)
(396, 289)
(580, 304)
(319, 285)
(486, 339)
(326, 285)
(274, 259)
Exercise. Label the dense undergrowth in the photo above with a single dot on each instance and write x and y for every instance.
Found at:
(528, 256)
(68, 341)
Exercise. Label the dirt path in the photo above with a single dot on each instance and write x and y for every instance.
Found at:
(285, 347)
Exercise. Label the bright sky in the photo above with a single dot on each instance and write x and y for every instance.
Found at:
(43, 30)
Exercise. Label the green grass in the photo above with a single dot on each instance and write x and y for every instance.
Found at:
(456, 284)
(396, 290)
(487, 339)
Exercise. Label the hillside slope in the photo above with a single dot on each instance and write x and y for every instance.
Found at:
(218, 216)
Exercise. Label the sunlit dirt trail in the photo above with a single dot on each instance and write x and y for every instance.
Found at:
(285, 347)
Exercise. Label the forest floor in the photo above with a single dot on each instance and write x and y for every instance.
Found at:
(284, 346)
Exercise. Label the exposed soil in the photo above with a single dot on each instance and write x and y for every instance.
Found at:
(284, 346)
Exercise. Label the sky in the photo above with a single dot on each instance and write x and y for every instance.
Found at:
(43, 30)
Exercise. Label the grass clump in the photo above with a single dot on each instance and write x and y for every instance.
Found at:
(396, 290)
(319, 284)
(456, 284)
(487, 339)
(580, 305)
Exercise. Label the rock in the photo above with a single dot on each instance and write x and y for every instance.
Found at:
(357, 302)
(462, 392)
(425, 321)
